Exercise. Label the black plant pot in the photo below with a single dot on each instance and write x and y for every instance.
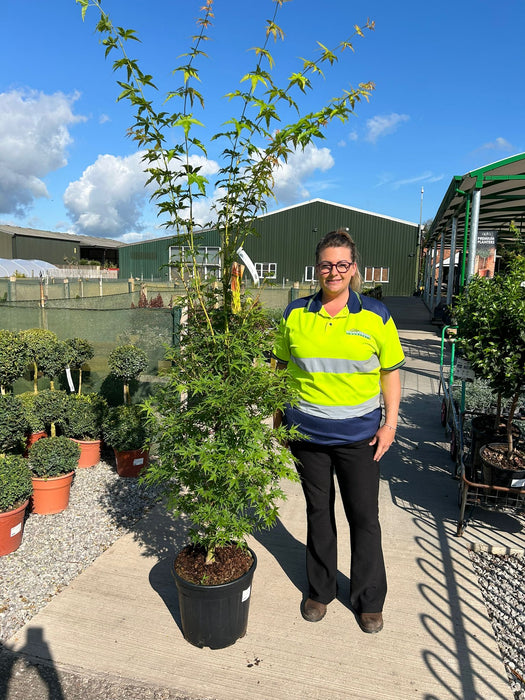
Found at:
(497, 476)
(215, 616)
(483, 432)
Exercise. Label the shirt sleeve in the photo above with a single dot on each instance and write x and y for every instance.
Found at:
(391, 355)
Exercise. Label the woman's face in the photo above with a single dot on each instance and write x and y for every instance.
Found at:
(336, 281)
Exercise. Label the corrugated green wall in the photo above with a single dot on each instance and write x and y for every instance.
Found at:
(288, 238)
(49, 249)
(6, 246)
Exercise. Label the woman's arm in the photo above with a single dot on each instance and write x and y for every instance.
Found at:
(391, 388)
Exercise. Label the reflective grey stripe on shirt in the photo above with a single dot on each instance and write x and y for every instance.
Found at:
(338, 412)
(332, 365)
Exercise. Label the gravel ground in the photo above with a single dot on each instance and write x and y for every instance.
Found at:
(501, 580)
(54, 550)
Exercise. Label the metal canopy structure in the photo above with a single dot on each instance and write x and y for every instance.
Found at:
(488, 198)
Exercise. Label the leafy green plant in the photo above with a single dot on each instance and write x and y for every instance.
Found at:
(127, 362)
(83, 416)
(53, 456)
(124, 427)
(43, 352)
(79, 352)
(34, 419)
(491, 335)
(14, 425)
(219, 461)
(15, 482)
(50, 407)
(13, 358)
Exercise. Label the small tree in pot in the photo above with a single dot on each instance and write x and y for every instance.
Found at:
(82, 422)
(41, 346)
(491, 323)
(79, 352)
(124, 429)
(53, 461)
(126, 362)
(51, 407)
(219, 461)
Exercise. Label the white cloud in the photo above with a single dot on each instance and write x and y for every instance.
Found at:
(109, 198)
(499, 144)
(290, 177)
(103, 119)
(380, 126)
(426, 177)
(34, 137)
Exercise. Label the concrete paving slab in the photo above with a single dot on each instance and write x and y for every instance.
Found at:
(120, 617)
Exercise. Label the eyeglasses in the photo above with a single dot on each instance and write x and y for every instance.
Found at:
(325, 268)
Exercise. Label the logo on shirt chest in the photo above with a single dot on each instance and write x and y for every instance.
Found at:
(354, 331)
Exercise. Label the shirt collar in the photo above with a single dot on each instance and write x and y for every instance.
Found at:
(354, 303)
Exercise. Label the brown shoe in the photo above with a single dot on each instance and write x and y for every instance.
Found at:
(313, 611)
(371, 623)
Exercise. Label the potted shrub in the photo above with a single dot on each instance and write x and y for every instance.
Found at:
(82, 423)
(220, 463)
(124, 429)
(13, 424)
(126, 362)
(491, 319)
(50, 407)
(13, 358)
(79, 352)
(15, 489)
(52, 461)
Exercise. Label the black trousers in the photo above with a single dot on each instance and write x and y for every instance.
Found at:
(358, 477)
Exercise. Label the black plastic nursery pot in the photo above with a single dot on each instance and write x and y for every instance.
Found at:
(215, 616)
(497, 476)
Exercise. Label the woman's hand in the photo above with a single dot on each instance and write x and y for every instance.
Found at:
(383, 439)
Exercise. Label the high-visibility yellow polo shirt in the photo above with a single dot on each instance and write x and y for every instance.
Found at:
(335, 363)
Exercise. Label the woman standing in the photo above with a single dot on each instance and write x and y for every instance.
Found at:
(342, 351)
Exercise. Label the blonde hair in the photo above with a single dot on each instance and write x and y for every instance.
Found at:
(342, 239)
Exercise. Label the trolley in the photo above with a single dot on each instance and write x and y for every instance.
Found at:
(456, 420)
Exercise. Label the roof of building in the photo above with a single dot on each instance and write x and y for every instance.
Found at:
(29, 268)
(502, 189)
(85, 241)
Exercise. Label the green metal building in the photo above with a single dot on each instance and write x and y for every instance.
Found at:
(283, 250)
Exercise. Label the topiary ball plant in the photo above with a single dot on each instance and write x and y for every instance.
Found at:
(13, 358)
(53, 456)
(84, 414)
(14, 425)
(127, 362)
(124, 428)
(50, 406)
(15, 482)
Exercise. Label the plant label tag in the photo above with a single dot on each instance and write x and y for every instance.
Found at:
(139, 460)
(517, 483)
(246, 594)
(16, 529)
(463, 370)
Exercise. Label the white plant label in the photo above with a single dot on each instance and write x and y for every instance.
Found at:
(246, 594)
(517, 483)
(70, 380)
(139, 460)
(16, 529)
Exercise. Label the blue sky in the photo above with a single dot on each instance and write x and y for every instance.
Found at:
(449, 97)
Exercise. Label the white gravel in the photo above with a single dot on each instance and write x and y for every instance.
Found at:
(56, 548)
(502, 582)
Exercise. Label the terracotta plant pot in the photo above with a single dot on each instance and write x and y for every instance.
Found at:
(12, 529)
(131, 462)
(89, 452)
(32, 438)
(51, 495)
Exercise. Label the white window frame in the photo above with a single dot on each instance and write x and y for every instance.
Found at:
(309, 273)
(370, 274)
(267, 271)
(178, 253)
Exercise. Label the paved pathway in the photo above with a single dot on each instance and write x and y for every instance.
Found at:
(117, 626)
